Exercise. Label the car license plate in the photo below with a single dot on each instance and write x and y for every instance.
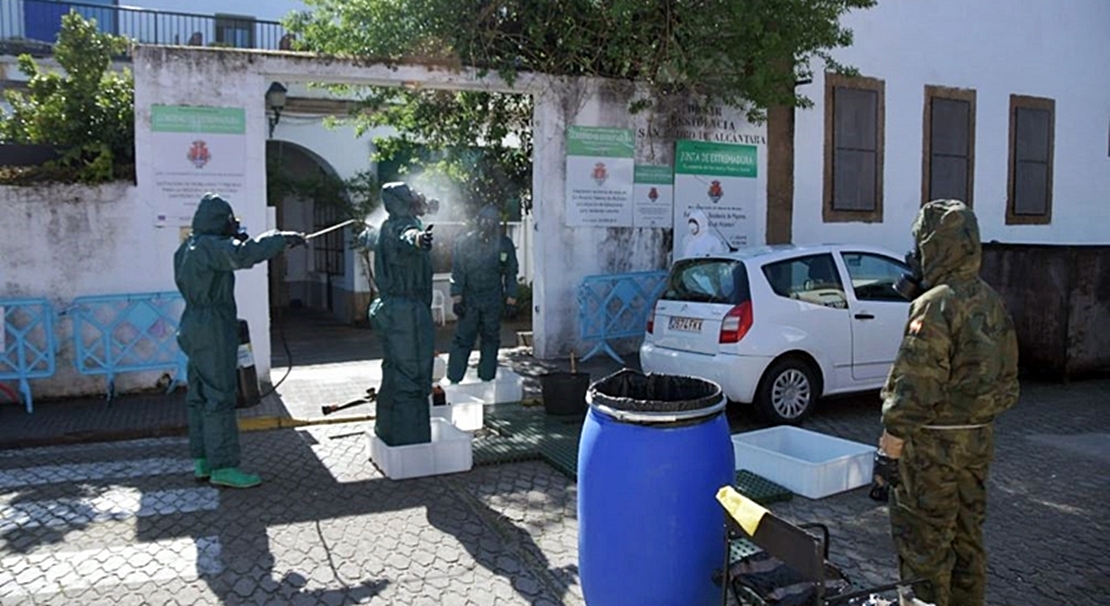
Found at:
(685, 324)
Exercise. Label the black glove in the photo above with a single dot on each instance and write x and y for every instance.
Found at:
(424, 240)
(511, 311)
(459, 309)
(294, 239)
(885, 472)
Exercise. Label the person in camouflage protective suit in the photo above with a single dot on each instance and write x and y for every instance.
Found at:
(955, 371)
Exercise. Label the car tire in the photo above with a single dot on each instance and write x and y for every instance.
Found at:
(787, 392)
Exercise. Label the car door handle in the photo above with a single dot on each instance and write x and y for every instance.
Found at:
(865, 317)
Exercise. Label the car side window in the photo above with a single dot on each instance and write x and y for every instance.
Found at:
(813, 279)
(873, 276)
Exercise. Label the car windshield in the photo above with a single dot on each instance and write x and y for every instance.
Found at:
(707, 281)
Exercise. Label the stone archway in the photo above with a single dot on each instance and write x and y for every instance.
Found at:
(311, 277)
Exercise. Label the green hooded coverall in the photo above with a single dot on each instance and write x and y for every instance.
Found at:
(484, 273)
(209, 330)
(402, 317)
(954, 372)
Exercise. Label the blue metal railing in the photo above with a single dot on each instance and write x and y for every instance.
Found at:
(114, 334)
(33, 25)
(27, 342)
(616, 306)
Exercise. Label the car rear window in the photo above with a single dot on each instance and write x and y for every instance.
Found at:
(707, 281)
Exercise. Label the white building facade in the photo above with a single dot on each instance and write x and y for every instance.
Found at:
(1005, 107)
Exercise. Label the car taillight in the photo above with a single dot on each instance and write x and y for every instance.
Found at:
(651, 321)
(736, 324)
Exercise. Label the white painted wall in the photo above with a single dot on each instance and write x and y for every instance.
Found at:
(64, 242)
(563, 255)
(1045, 49)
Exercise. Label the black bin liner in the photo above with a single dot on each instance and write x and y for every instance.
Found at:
(631, 391)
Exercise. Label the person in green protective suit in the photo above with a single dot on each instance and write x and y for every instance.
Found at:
(208, 334)
(483, 288)
(402, 317)
(955, 371)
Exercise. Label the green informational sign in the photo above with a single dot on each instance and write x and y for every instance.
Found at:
(649, 174)
(716, 196)
(599, 176)
(192, 119)
(653, 196)
(719, 159)
(200, 150)
(600, 142)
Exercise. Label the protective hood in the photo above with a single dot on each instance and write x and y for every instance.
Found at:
(213, 216)
(947, 236)
(398, 198)
(699, 217)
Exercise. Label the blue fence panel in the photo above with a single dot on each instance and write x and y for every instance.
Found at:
(114, 334)
(616, 306)
(27, 342)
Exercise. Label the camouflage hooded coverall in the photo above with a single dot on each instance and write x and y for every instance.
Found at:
(955, 370)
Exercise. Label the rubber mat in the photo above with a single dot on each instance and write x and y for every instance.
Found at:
(562, 454)
(741, 548)
(760, 489)
(495, 449)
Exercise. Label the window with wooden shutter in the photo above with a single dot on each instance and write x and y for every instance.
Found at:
(1032, 134)
(948, 165)
(854, 109)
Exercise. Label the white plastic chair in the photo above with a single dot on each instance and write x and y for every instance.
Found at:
(439, 307)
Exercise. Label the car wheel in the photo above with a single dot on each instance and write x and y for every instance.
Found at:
(787, 392)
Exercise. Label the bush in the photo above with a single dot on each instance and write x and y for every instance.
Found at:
(87, 113)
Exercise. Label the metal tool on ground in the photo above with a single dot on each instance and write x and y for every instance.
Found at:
(327, 230)
(371, 395)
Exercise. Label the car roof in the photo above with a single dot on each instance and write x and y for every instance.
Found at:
(778, 252)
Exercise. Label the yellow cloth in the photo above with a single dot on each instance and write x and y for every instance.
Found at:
(747, 513)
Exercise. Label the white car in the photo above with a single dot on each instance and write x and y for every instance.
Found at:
(780, 326)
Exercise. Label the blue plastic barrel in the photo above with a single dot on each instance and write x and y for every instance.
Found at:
(654, 451)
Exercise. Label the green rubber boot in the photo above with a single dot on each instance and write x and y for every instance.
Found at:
(232, 477)
(201, 472)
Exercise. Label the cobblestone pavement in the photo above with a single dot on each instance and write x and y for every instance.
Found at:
(124, 523)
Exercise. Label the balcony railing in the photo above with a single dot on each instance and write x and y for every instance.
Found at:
(33, 25)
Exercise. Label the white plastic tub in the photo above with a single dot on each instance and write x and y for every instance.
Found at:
(462, 410)
(811, 464)
(506, 387)
(448, 452)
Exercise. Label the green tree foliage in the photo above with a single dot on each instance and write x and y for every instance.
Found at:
(87, 113)
(744, 53)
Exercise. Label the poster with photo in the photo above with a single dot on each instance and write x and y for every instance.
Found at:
(200, 149)
(599, 176)
(716, 197)
(653, 196)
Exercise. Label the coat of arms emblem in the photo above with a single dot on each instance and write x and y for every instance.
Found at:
(600, 174)
(715, 191)
(199, 154)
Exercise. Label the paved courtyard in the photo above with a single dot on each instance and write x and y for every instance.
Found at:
(124, 523)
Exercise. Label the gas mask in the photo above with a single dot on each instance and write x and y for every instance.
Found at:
(912, 285)
(424, 206)
(234, 229)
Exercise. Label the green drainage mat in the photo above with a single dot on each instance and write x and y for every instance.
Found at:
(562, 454)
(760, 489)
(523, 433)
(495, 449)
(739, 549)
